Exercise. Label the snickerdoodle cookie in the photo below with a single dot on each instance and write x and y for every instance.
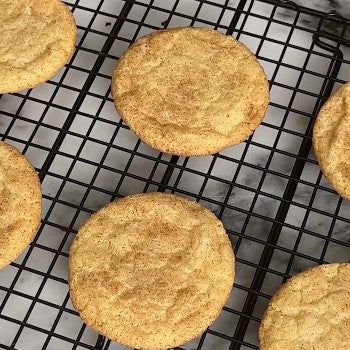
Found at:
(190, 91)
(310, 311)
(20, 203)
(331, 140)
(151, 271)
(37, 37)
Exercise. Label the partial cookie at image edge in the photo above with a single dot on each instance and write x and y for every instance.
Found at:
(20, 212)
(330, 140)
(301, 312)
(48, 60)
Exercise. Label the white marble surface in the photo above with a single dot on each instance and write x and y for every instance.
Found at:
(62, 216)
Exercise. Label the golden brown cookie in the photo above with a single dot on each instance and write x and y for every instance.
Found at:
(151, 271)
(190, 91)
(310, 311)
(37, 37)
(20, 203)
(331, 140)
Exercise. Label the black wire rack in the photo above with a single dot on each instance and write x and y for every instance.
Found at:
(278, 209)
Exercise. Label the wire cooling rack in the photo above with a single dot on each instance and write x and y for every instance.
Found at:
(279, 211)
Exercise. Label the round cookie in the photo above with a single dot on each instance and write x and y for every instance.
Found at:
(37, 38)
(331, 140)
(20, 204)
(310, 311)
(190, 91)
(151, 271)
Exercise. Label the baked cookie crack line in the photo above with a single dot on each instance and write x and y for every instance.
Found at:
(187, 129)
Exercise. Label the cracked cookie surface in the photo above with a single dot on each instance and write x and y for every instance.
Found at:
(310, 311)
(331, 140)
(20, 203)
(190, 91)
(151, 271)
(37, 37)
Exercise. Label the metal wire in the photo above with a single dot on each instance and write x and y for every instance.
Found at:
(268, 191)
